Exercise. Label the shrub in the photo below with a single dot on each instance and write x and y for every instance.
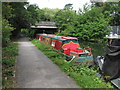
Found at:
(6, 32)
(8, 65)
(27, 32)
(8, 62)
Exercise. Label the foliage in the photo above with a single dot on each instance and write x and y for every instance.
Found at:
(27, 32)
(111, 9)
(93, 28)
(31, 33)
(84, 25)
(47, 14)
(84, 76)
(9, 54)
(20, 15)
(7, 11)
(6, 26)
(33, 14)
(19, 19)
(97, 49)
(68, 6)
(85, 9)
(64, 19)
(6, 32)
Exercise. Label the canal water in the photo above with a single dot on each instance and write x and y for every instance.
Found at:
(98, 49)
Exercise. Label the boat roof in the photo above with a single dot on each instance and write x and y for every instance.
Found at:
(57, 37)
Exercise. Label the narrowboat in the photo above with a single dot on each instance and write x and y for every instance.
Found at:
(69, 46)
(110, 63)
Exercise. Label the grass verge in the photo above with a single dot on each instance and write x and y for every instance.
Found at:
(9, 54)
(85, 77)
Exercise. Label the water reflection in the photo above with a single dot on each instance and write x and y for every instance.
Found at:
(98, 49)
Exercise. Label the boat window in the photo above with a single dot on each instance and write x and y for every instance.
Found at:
(53, 43)
(47, 41)
(40, 38)
(43, 39)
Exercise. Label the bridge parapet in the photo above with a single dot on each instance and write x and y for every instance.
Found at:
(44, 24)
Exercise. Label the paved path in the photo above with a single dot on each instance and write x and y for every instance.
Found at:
(35, 70)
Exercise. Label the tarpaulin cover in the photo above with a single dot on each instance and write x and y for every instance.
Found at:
(111, 66)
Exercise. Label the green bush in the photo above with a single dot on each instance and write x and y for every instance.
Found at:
(85, 77)
(10, 50)
(6, 32)
(8, 83)
(8, 72)
(9, 54)
(27, 32)
(8, 62)
(89, 25)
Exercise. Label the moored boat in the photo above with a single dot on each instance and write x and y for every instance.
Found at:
(69, 46)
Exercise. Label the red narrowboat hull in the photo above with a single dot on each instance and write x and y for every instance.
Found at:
(69, 46)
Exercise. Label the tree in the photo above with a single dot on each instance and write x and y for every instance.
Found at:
(90, 25)
(18, 15)
(47, 14)
(110, 9)
(63, 18)
(6, 27)
(20, 18)
(33, 14)
(7, 11)
(25, 15)
(114, 8)
(6, 32)
(86, 8)
(68, 6)
(93, 25)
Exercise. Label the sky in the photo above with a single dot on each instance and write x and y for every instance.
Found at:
(59, 3)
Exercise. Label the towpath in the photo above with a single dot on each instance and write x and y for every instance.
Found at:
(35, 70)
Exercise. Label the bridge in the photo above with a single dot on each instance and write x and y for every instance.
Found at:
(44, 27)
(44, 24)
